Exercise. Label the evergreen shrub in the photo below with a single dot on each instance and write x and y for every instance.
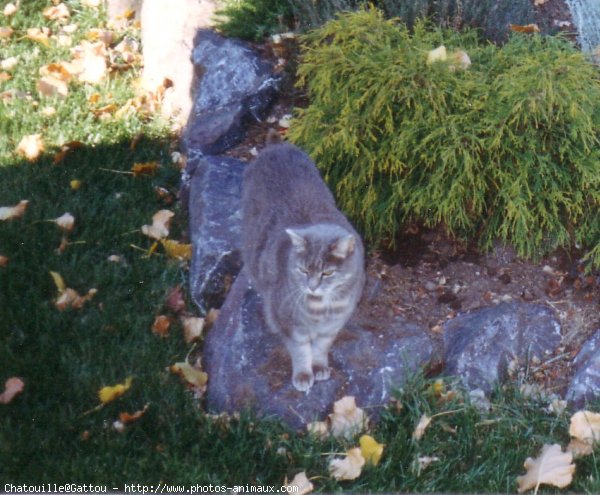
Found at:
(506, 149)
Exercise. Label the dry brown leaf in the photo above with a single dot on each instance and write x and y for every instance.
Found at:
(585, 426)
(70, 298)
(460, 60)
(319, 429)
(10, 9)
(9, 63)
(144, 168)
(65, 222)
(161, 326)
(90, 60)
(160, 225)
(64, 71)
(300, 485)
(579, 448)
(175, 300)
(3, 261)
(58, 12)
(13, 212)
(105, 35)
(421, 427)
(13, 387)
(348, 468)
(347, 419)
(5, 76)
(51, 86)
(552, 467)
(126, 418)
(39, 35)
(528, 28)
(31, 147)
(5, 32)
(192, 328)
(129, 50)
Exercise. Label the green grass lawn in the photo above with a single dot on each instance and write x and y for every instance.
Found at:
(54, 432)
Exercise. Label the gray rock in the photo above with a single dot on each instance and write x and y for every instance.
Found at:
(479, 345)
(234, 85)
(249, 368)
(585, 384)
(215, 226)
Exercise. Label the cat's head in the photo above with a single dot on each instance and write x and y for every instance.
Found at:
(322, 258)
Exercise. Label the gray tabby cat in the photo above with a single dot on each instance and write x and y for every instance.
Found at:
(302, 256)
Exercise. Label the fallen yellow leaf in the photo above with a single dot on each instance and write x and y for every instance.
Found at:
(31, 147)
(347, 419)
(579, 448)
(104, 35)
(348, 468)
(3, 261)
(194, 377)
(528, 28)
(160, 225)
(111, 393)
(12, 212)
(39, 35)
(75, 184)
(13, 387)
(59, 282)
(552, 467)
(177, 250)
(370, 449)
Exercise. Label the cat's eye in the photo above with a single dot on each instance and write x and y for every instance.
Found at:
(328, 273)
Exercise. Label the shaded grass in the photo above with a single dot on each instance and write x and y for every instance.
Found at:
(49, 435)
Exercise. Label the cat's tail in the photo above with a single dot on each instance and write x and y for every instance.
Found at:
(273, 137)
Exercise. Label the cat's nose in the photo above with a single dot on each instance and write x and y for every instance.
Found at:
(313, 282)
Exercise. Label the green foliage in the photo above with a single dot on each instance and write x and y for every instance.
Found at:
(507, 149)
(254, 19)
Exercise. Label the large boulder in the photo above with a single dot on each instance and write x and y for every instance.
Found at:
(249, 369)
(234, 85)
(585, 384)
(478, 346)
(215, 224)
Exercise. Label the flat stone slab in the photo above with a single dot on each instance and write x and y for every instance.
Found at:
(478, 346)
(249, 368)
(215, 225)
(234, 85)
(585, 384)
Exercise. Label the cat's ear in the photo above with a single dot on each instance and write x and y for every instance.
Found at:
(343, 247)
(298, 241)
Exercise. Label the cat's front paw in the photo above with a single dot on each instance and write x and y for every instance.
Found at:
(303, 381)
(321, 372)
